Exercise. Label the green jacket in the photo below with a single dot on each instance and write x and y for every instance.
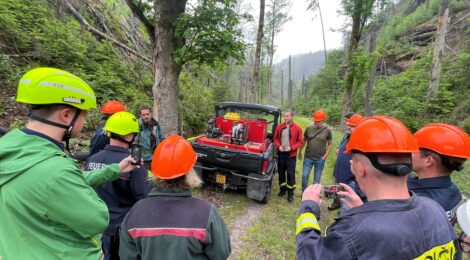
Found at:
(173, 225)
(48, 209)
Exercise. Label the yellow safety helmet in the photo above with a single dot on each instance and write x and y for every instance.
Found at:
(122, 123)
(42, 86)
(232, 116)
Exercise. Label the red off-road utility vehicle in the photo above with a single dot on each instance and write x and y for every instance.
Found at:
(237, 151)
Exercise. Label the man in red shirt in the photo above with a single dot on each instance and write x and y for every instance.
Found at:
(287, 138)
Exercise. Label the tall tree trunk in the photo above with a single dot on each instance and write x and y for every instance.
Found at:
(353, 43)
(439, 47)
(166, 88)
(289, 87)
(373, 73)
(242, 79)
(259, 40)
(271, 54)
(302, 88)
(322, 30)
(282, 87)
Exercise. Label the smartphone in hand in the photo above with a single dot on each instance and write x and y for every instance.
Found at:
(136, 153)
(338, 189)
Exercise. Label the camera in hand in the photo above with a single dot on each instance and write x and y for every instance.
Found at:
(331, 190)
(136, 153)
(338, 189)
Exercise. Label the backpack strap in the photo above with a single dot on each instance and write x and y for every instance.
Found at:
(315, 135)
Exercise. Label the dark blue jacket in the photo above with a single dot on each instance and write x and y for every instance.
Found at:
(98, 141)
(342, 171)
(119, 195)
(441, 190)
(381, 229)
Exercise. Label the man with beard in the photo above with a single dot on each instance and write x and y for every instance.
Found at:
(151, 134)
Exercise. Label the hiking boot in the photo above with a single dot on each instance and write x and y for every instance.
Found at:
(290, 196)
(336, 203)
(281, 193)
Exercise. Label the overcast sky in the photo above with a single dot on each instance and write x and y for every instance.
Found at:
(303, 33)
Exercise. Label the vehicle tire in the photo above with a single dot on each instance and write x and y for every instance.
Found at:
(267, 195)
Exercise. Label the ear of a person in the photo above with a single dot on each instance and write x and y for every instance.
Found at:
(66, 115)
(429, 161)
(361, 170)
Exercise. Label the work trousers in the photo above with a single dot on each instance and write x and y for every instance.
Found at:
(286, 166)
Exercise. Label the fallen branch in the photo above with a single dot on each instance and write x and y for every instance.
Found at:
(140, 15)
(461, 19)
(93, 30)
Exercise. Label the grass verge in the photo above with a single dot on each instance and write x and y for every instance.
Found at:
(273, 235)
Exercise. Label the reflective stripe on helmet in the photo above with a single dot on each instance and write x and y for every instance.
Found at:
(25, 81)
(57, 85)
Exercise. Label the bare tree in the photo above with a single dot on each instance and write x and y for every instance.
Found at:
(373, 72)
(314, 5)
(275, 20)
(289, 87)
(259, 40)
(439, 47)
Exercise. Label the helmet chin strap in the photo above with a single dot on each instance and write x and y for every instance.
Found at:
(68, 129)
(120, 138)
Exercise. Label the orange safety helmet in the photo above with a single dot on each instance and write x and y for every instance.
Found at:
(319, 115)
(382, 134)
(354, 120)
(444, 139)
(174, 157)
(112, 107)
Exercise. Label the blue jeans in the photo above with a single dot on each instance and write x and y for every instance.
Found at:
(307, 167)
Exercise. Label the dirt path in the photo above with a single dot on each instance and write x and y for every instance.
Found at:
(240, 225)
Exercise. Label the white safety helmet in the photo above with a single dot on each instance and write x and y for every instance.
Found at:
(463, 217)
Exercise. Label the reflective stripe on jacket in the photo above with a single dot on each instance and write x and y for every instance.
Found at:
(381, 229)
(173, 225)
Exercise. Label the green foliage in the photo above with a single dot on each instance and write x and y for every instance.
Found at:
(324, 90)
(196, 104)
(404, 96)
(399, 25)
(457, 80)
(354, 8)
(18, 123)
(31, 30)
(362, 62)
(94, 120)
(211, 33)
(462, 179)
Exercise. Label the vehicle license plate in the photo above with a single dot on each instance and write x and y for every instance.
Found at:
(219, 178)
